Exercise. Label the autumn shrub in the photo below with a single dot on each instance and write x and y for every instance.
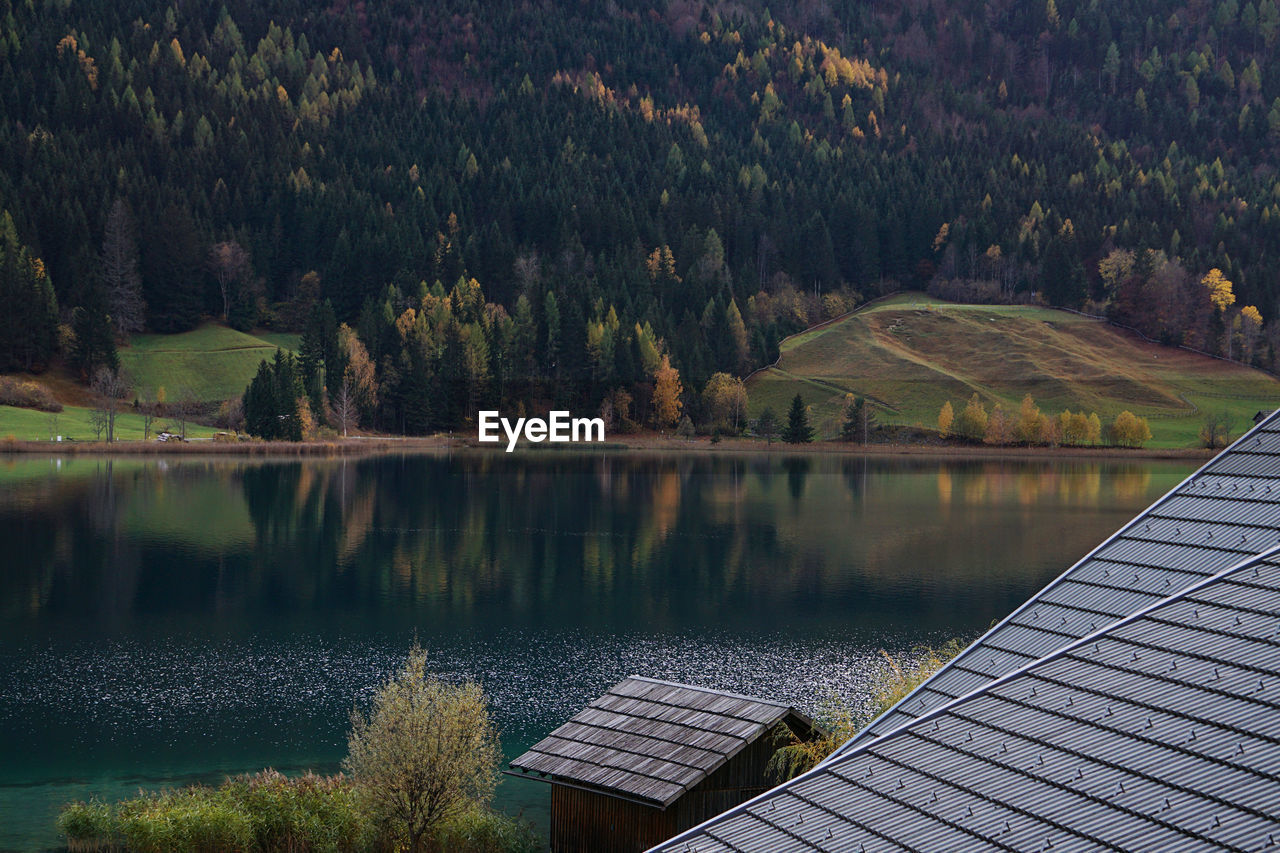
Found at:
(839, 721)
(264, 813)
(425, 753)
(321, 814)
(424, 764)
(900, 679)
(89, 827)
(191, 820)
(27, 395)
(485, 831)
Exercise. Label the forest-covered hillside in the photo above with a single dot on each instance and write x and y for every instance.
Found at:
(594, 185)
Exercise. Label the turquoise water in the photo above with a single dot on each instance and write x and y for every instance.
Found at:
(173, 621)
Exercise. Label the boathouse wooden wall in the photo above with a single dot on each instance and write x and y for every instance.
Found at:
(589, 822)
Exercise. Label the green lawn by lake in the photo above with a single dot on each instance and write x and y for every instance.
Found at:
(74, 423)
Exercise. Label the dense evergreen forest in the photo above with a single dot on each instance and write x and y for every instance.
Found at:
(536, 203)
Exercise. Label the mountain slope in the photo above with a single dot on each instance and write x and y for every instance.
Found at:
(911, 354)
(709, 171)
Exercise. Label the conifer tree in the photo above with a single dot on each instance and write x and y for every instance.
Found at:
(798, 430)
(120, 278)
(28, 307)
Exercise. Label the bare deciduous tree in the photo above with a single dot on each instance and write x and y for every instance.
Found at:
(229, 263)
(426, 751)
(185, 407)
(148, 412)
(526, 269)
(342, 406)
(98, 421)
(111, 387)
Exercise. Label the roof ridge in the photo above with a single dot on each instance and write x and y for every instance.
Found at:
(726, 693)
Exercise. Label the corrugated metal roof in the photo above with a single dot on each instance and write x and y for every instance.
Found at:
(1161, 731)
(651, 740)
(1227, 510)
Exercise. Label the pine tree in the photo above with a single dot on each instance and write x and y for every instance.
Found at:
(260, 403)
(120, 278)
(94, 345)
(767, 425)
(28, 307)
(172, 271)
(798, 430)
(288, 388)
(854, 419)
(318, 361)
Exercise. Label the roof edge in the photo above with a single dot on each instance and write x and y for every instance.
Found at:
(580, 786)
(863, 735)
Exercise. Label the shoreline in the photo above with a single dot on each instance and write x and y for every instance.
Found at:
(640, 442)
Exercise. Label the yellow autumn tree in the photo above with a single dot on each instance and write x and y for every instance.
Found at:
(666, 394)
(1000, 428)
(1250, 328)
(1115, 268)
(1030, 428)
(1219, 287)
(945, 418)
(1074, 428)
(1129, 430)
(972, 422)
(726, 400)
(1094, 434)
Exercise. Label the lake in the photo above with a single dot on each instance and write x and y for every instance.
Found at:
(167, 621)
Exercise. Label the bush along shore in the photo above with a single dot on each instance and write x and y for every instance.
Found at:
(272, 813)
(419, 776)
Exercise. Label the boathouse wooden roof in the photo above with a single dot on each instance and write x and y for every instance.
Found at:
(652, 741)
(1159, 732)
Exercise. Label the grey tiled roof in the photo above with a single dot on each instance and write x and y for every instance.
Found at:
(650, 740)
(1227, 510)
(1158, 732)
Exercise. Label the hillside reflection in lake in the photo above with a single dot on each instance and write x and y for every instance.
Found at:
(169, 620)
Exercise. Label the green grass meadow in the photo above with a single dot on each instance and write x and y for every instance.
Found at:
(910, 354)
(212, 362)
(73, 423)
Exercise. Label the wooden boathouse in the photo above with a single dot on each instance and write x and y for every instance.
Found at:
(650, 759)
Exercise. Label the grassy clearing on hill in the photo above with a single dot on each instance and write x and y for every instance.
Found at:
(74, 422)
(213, 361)
(910, 354)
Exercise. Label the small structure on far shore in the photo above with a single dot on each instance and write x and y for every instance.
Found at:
(650, 759)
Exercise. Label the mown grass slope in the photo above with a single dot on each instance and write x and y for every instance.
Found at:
(911, 354)
(211, 363)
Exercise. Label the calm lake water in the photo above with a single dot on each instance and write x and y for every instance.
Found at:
(172, 621)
